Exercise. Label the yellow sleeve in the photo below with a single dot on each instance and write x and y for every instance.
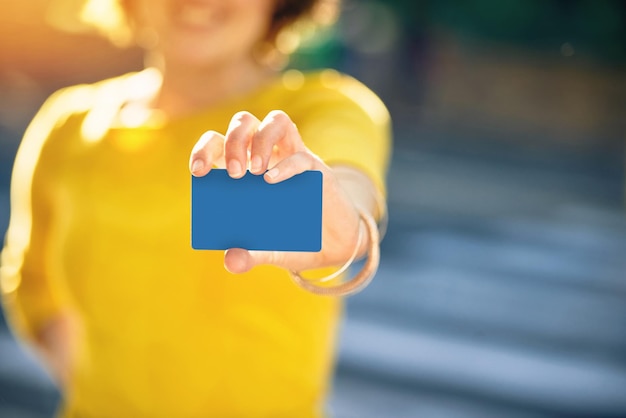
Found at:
(343, 122)
(28, 297)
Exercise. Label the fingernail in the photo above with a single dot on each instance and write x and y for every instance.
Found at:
(234, 168)
(197, 166)
(272, 174)
(255, 164)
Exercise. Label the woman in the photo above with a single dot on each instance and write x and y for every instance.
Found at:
(97, 270)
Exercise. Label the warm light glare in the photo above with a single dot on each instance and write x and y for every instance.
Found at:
(369, 101)
(293, 79)
(143, 85)
(287, 41)
(327, 12)
(9, 279)
(134, 116)
(108, 17)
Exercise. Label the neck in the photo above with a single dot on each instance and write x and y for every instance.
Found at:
(187, 88)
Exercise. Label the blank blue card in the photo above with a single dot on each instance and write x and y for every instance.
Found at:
(252, 214)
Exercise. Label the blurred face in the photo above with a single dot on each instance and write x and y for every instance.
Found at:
(201, 32)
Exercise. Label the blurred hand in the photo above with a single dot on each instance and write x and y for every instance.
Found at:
(56, 342)
(275, 144)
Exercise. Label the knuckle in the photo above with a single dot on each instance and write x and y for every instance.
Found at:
(309, 160)
(279, 116)
(236, 136)
(240, 123)
(243, 116)
(274, 258)
(208, 136)
(259, 143)
(303, 156)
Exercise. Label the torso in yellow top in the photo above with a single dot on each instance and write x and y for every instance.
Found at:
(168, 331)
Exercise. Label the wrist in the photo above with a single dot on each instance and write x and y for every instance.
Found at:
(362, 278)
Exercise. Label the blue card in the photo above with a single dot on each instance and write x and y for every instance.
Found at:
(252, 214)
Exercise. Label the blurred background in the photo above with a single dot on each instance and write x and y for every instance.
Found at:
(502, 286)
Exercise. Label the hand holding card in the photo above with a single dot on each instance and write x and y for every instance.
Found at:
(288, 210)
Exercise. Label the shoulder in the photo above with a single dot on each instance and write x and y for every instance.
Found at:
(83, 98)
(77, 101)
(341, 120)
(333, 92)
(62, 110)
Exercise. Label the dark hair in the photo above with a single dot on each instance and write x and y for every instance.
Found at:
(289, 11)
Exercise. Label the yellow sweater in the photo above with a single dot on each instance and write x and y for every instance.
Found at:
(100, 223)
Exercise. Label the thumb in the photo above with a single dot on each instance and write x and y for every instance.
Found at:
(238, 260)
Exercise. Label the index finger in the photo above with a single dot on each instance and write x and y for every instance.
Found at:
(207, 152)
